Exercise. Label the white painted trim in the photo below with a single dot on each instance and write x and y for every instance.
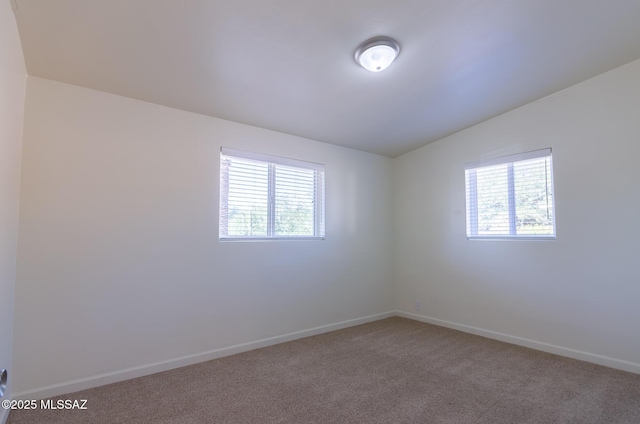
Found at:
(535, 154)
(4, 415)
(262, 157)
(140, 371)
(545, 347)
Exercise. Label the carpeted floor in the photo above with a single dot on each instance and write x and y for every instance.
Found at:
(390, 371)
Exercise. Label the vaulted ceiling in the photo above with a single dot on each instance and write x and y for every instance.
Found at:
(288, 65)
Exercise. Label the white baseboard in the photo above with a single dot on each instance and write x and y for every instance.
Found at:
(4, 415)
(545, 347)
(140, 371)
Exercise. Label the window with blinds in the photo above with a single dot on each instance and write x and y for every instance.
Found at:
(511, 197)
(270, 197)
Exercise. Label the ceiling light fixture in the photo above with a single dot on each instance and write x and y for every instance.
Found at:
(376, 54)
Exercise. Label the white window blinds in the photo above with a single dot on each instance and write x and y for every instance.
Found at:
(511, 197)
(267, 197)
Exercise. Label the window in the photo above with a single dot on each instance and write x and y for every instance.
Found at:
(511, 197)
(269, 197)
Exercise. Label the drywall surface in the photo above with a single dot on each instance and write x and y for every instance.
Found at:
(13, 78)
(120, 265)
(579, 292)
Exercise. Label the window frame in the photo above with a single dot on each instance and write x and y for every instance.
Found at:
(273, 162)
(471, 193)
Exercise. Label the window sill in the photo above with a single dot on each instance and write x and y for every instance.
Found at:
(293, 238)
(506, 238)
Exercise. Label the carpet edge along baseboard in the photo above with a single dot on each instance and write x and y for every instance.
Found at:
(153, 368)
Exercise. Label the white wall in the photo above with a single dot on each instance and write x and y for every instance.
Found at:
(13, 79)
(579, 293)
(119, 260)
(120, 267)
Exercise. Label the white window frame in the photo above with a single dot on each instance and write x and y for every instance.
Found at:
(472, 202)
(273, 162)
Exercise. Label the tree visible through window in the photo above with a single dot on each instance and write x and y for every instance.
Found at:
(511, 197)
(264, 196)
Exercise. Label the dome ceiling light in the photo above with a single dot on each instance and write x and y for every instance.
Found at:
(376, 54)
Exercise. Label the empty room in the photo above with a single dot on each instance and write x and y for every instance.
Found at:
(232, 211)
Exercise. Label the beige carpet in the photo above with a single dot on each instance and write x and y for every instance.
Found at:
(391, 371)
